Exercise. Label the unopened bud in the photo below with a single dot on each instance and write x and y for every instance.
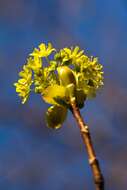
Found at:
(66, 76)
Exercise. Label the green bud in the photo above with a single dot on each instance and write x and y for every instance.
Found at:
(66, 76)
(67, 79)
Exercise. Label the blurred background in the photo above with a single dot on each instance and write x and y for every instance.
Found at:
(33, 157)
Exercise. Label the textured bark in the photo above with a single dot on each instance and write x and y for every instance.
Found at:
(85, 134)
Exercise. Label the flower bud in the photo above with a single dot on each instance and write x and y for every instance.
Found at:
(66, 76)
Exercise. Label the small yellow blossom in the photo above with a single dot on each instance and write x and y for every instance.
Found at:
(43, 51)
(34, 63)
(72, 54)
(23, 85)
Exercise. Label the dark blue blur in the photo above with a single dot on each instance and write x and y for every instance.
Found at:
(33, 157)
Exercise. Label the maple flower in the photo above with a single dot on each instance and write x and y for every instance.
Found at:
(70, 55)
(43, 51)
(69, 73)
(34, 63)
(23, 85)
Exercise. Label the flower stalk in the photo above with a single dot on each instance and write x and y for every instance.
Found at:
(86, 137)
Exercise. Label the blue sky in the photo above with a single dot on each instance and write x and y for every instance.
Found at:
(32, 156)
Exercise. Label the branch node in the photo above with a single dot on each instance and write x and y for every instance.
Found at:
(92, 160)
(84, 129)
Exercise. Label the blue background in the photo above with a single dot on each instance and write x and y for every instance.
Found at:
(33, 157)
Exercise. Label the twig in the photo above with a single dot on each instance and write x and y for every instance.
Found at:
(85, 134)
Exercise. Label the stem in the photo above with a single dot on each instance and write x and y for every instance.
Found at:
(85, 134)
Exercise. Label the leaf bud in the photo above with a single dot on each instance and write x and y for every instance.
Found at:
(66, 76)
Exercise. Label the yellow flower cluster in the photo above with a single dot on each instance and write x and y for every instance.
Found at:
(69, 73)
(89, 76)
(70, 55)
(23, 85)
(87, 70)
(33, 69)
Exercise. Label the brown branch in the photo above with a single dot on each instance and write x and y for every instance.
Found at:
(85, 134)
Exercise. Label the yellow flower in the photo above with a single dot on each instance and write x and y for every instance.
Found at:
(90, 76)
(43, 51)
(23, 85)
(72, 54)
(88, 72)
(34, 63)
